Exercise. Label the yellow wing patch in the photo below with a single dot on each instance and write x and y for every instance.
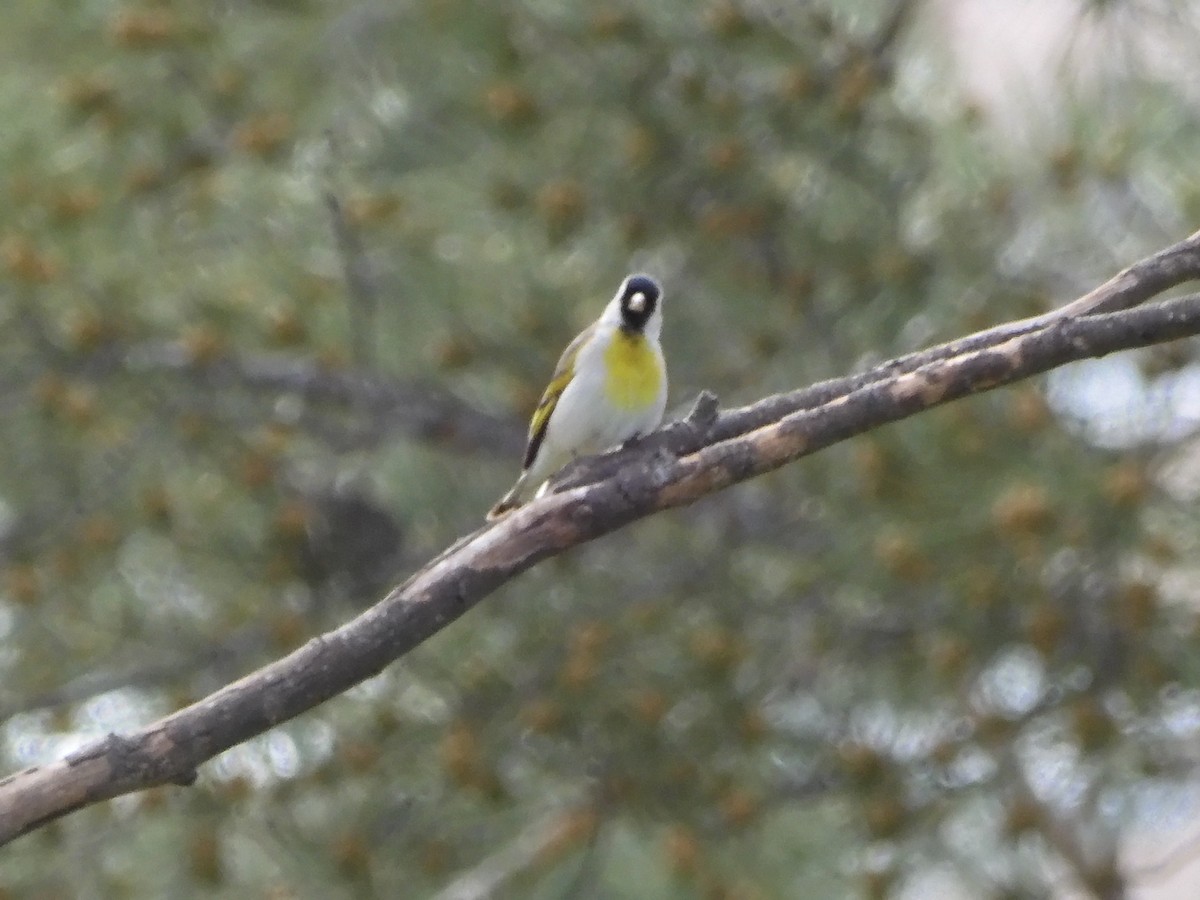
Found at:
(541, 415)
(563, 373)
(634, 372)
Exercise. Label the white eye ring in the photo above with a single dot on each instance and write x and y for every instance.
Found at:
(637, 303)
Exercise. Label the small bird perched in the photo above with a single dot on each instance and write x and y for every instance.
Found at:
(610, 386)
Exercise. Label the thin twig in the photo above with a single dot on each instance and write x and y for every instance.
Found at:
(360, 281)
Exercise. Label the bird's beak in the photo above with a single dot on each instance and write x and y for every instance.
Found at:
(637, 303)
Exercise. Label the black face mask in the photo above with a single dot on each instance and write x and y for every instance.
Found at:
(639, 300)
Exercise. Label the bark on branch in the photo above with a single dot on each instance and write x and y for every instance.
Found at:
(681, 463)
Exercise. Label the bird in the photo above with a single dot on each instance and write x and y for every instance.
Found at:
(609, 387)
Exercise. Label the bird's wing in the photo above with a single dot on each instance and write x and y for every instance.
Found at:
(563, 373)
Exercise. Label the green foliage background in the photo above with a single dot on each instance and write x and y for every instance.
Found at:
(833, 681)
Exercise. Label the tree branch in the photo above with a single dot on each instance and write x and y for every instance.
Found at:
(360, 281)
(652, 476)
(1097, 871)
(422, 411)
(1147, 278)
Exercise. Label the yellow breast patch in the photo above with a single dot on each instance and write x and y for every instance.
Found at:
(634, 375)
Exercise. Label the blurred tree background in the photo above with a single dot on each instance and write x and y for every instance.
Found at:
(280, 284)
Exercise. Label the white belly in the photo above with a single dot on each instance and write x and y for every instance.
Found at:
(585, 422)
